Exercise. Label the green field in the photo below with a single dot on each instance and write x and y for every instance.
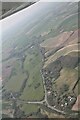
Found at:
(70, 23)
(33, 65)
(15, 83)
(29, 108)
(17, 78)
(67, 76)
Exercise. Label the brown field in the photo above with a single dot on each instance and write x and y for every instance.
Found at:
(61, 52)
(77, 88)
(52, 43)
(61, 45)
(51, 115)
(64, 39)
(76, 106)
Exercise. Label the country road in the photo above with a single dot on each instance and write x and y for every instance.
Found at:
(44, 101)
(49, 106)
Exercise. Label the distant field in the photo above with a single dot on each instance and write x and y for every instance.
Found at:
(54, 42)
(70, 23)
(63, 39)
(61, 24)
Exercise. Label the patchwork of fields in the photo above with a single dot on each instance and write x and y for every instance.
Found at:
(40, 62)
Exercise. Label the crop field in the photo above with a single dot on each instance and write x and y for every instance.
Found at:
(63, 39)
(16, 78)
(61, 52)
(31, 92)
(52, 43)
(68, 76)
(15, 83)
(29, 109)
(34, 84)
(70, 80)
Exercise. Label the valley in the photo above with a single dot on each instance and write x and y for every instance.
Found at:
(40, 63)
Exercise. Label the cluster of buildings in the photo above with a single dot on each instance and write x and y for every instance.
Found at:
(62, 102)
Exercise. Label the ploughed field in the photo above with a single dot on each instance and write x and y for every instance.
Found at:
(41, 54)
